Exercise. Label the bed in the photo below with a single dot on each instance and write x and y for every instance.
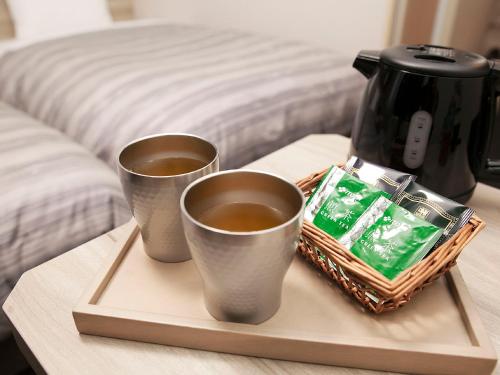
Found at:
(249, 94)
(55, 196)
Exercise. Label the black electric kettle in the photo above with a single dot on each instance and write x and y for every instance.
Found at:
(430, 111)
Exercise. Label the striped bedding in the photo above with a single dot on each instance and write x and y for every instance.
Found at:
(55, 196)
(248, 94)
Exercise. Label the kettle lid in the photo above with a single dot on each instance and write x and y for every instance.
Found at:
(436, 61)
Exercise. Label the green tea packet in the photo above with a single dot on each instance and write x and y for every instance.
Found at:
(386, 179)
(434, 208)
(389, 238)
(338, 201)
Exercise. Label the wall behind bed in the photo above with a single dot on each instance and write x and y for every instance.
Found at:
(345, 26)
(119, 9)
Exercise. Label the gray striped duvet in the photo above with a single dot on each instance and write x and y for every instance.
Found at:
(248, 94)
(55, 195)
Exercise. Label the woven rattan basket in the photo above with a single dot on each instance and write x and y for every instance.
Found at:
(366, 285)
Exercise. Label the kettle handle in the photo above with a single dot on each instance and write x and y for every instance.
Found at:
(492, 166)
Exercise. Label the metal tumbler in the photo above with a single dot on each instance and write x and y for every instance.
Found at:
(242, 272)
(154, 200)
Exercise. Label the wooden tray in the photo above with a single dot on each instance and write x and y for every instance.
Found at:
(137, 298)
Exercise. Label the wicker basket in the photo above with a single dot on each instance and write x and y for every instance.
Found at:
(365, 284)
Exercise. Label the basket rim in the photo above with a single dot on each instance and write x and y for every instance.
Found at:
(409, 279)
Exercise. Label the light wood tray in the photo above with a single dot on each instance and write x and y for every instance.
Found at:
(137, 298)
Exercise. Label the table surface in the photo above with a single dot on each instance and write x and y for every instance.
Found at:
(40, 305)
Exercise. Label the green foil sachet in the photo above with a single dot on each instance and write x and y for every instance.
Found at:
(390, 239)
(339, 200)
(362, 217)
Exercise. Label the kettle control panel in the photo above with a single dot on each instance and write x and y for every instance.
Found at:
(417, 138)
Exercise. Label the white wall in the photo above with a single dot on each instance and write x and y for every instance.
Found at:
(343, 25)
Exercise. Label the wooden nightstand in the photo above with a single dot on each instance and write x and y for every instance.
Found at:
(40, 306)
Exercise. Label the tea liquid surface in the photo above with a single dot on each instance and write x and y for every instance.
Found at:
(170, 166)
(242, 217)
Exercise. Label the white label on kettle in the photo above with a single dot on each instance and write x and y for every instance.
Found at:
(416, 140)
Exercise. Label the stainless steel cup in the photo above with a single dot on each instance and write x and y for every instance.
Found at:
(154, 200)
(242, 272)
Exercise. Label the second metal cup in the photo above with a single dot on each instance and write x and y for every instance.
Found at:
(154, 199)
(242, 272)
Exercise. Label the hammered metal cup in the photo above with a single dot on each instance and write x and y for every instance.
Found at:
(154, 200)
(242, 272)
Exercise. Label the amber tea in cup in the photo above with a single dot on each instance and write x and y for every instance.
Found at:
(167, 166)
(242, 217)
